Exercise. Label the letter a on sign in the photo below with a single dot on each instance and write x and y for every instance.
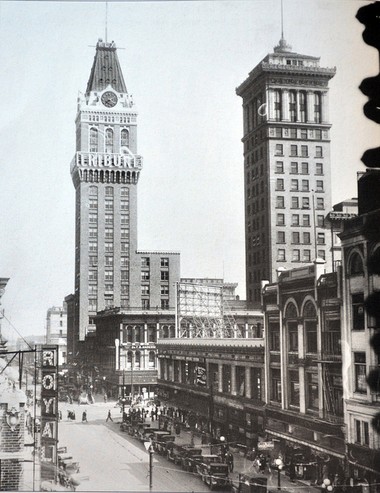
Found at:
(48, 430)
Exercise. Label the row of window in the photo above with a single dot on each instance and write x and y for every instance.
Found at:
(145, 290)
(299, 168)
(109, 144)
(93, 245)
(109, 192)
(301, 151)
(299, 185)
(299, 202)
(296, 133)
(145, 304)
(279, 133)
(109, 119)
(296, 237)
(297, 106)
(187, 372)
(164, 262)
(296, 255)
(311, 388)
(299, 220)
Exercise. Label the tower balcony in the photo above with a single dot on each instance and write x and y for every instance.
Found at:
(102, 160)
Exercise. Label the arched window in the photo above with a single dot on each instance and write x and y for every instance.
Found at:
(109, 140)
(164, 332)
(356, 265)
(293, 106)
(317, 107)
(93, 147)
(277, 105)
(93, 191)
(124, 138)
(310, 322)
(303, 106)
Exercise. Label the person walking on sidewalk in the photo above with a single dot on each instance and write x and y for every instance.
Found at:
(84, 417)
(109, 417)
(230, 461)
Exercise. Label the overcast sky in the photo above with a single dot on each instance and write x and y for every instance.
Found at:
(182, 62)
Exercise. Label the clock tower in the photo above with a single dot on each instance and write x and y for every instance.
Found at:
(105, 172)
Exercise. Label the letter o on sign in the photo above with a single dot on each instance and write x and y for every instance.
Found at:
(48, 382)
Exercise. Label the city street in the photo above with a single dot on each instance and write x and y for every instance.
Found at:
(111, 459)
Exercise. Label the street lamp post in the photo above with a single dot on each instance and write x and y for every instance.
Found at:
(327, 484)
(279, 464)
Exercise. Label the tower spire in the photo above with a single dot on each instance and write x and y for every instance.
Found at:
(282, 20)
(282, 46)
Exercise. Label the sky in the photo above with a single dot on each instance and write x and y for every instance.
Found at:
(182, 62)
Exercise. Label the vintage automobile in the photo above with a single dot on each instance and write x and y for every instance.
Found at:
(176, 451)
(214, 474)
(162, 443)
(137, 429)
(190, 458)
(248, 483)
(145, 434)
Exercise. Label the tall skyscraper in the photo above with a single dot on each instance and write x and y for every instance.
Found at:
(109, 271)
(286, 164)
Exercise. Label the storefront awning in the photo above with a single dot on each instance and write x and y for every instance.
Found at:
(306, 444)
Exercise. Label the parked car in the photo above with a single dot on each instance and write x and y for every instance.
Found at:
(190, 458)
(214, 474)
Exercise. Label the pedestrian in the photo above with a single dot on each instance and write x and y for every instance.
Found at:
(84, 417)
(230, 461)
(109, 417)
(60, 415)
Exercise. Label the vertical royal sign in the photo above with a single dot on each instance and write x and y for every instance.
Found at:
(49, 411)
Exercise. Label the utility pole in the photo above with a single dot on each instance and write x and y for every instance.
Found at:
(151, 467)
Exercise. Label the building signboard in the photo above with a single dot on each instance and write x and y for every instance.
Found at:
(265, 445)
(49, 411)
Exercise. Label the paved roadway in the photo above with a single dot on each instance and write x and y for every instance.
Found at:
(112, 460)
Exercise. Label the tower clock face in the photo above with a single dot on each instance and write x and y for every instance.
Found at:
(109, 99)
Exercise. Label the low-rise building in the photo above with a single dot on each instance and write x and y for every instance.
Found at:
(304, 391)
